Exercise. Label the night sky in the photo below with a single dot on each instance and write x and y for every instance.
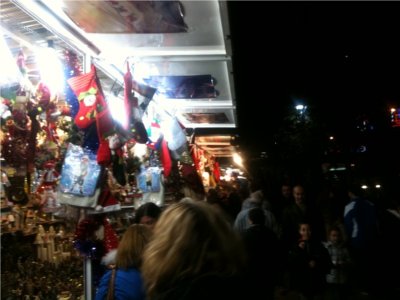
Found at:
(342, 59)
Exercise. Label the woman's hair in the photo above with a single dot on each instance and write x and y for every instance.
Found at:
(131, 247)
(190, 239)
(149, 209)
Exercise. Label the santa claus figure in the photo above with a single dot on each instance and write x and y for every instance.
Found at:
(49, 176)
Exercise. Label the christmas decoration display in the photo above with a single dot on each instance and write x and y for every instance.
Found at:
(66, 159)
(32, 279)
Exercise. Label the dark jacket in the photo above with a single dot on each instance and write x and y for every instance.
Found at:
(264, 257)
(209, 286)
(302, 277)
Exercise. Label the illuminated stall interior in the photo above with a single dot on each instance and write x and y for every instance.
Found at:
(186, 60)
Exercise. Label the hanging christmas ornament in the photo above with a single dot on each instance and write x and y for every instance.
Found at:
(72, 69)
(134, 122)
(21, 62)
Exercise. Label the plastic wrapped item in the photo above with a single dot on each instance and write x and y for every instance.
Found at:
(80, 172)
(149, 180)
(127, 16)
(184, 87)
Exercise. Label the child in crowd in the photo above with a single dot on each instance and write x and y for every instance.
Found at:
(308, 264)
(338, 276)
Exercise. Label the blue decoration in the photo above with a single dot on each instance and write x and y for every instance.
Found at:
(71, 69)
(93, 249)
(91, 138)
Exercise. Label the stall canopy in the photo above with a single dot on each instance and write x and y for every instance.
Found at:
(217, 145)
(186, 54)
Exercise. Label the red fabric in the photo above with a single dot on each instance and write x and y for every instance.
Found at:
(128, 95)
(165, 158)
(104, 120)
(106, 198)
(104, 153)
(217, 172)
(192, 178)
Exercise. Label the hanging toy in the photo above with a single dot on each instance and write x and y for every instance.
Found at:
(117, 161)
(46, 191)
(50, 176)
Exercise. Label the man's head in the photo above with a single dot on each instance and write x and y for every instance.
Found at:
(299, 195)
(286, 191)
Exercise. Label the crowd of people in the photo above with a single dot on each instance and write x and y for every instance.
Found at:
(245, 242)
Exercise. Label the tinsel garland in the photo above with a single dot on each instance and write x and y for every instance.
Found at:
(88, 244)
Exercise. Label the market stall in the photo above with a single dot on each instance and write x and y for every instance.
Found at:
(94, 119)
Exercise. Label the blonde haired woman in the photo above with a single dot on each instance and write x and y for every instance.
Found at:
(128, 283)
(193, 254)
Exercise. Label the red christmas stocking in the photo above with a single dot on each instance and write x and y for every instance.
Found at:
(131, 104)
(105, 125)
(128, 97)
(88, 93)
(105, 128)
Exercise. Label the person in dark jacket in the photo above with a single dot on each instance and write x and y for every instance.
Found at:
(263, 256)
